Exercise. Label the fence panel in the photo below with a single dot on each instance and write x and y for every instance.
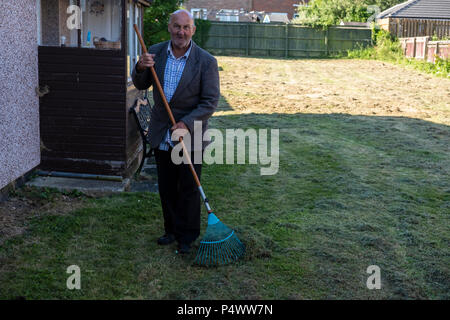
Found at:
(281, 40)
(227, 39)
(342, 39)
(267, 41)
(306, 42)
(406, 28)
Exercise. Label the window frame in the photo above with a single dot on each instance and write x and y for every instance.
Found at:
(79, 38)
(134, 15)
(202, 13)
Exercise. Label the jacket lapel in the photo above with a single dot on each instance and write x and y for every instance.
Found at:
(188, 71)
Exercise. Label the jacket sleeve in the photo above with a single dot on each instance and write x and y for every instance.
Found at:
(209, 97)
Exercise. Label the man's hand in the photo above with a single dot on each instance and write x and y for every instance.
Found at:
(179, 130)
(146, 60)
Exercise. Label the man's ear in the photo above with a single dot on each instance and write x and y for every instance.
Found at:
(195, 28)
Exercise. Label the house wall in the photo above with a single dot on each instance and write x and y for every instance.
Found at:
(214, 6)
(19, 104)
(284, 6)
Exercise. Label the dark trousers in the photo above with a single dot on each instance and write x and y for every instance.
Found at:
(180, 197)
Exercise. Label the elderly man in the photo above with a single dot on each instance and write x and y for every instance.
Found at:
(190, 79)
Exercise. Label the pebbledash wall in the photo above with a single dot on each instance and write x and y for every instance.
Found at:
(19, 103)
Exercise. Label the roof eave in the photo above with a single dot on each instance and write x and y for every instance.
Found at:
(145, 3)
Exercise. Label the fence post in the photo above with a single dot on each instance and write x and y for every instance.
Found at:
(425, 46)
(247, 49)
(326, 42)
(414, 48)
(287, 40)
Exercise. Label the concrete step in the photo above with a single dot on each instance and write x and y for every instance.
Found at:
(88, 186)
(146, 182)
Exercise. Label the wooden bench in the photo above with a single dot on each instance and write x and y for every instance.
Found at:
(142, 112)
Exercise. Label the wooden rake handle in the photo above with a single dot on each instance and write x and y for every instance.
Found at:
(166, 105)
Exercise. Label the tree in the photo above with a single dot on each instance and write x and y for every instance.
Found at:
(332, 12)
(156, 20)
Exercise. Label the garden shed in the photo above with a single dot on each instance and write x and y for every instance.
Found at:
(417, 18)
(87, 50)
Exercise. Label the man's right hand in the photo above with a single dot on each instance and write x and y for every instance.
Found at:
(145, 61)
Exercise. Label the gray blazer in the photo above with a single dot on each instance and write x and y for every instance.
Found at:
(195, 98)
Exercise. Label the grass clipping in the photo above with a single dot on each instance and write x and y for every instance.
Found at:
(257, 244)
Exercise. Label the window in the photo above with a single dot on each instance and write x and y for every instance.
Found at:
(200, 13)
(228, 18)
(101, 24)
(134, 50)
(80, 23)
(228, 15)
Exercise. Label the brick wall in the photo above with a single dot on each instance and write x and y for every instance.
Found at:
(424, 49)
(276, 6)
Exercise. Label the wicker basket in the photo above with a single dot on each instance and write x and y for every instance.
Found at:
(107, 44)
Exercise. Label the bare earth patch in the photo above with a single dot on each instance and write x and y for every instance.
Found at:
(356, 87)
(20, 208)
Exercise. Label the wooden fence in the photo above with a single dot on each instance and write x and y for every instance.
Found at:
(401, 27)
(424, 49)
(281, 40)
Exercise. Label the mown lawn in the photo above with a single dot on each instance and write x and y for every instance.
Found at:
(355, 188)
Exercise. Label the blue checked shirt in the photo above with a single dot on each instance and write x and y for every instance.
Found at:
(172, 75)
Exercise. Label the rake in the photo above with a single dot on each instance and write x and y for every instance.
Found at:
(219, 245)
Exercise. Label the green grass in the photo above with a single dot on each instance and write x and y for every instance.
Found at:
(351, 191)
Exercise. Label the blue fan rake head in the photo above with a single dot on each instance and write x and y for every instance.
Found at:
(219, 245)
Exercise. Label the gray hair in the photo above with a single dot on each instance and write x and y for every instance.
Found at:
(179, 11)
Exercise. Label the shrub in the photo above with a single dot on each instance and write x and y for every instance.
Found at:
(202, 32)
(156, 20)
(388, 48)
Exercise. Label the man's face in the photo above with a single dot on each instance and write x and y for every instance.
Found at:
(181, 29)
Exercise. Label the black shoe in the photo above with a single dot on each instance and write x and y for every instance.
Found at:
(166, 239)
(184, 248)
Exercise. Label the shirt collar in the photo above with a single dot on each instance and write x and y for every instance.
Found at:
(186, 55)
